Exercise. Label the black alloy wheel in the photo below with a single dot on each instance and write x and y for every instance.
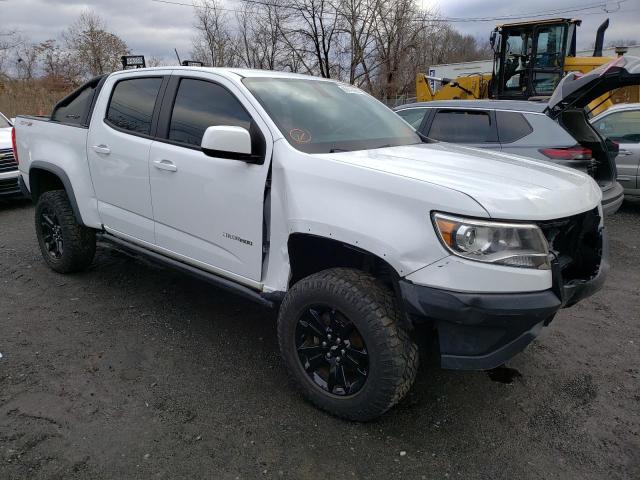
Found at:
(343, 342)
(51, 233)
(332, 351)
(66, 245)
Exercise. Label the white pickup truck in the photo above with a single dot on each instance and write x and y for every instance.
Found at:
(310, 196)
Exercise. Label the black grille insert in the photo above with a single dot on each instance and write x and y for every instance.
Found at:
(7, 160)
(9, 186)
(576, 243)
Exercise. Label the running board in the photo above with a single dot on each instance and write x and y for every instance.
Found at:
(211, 278)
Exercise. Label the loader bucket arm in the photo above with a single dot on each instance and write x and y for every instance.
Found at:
(423, 89)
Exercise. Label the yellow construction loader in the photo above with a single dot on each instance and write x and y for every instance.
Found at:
(530, 58)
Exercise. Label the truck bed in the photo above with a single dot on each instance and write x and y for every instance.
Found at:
(48, 145)
(40, 139)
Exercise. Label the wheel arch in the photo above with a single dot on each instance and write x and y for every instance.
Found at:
(331, 253)
(44, 177)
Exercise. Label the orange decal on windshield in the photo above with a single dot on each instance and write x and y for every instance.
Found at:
(299, 136)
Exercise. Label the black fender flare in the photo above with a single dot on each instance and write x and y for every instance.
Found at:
(64, 178)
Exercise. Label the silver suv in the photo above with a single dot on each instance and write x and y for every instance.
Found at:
(621, 124)
(518, 127)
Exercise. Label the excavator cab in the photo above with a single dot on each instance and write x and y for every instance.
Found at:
(529, 57)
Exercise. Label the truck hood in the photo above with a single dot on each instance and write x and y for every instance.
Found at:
(507, 186)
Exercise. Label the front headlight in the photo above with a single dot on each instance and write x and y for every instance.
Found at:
(512, 244)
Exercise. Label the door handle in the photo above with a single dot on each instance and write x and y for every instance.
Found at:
(102, 148)
(167, 165)
(625, 152)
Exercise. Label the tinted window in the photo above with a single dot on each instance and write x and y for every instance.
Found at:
(75, 109)
(132, 103)
(621, 127)
(512, 126)
(461, 126)
(200, 105)
(413, 116)
(4, 123)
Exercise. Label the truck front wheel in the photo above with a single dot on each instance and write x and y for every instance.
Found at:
(66, 245)
(343, 343)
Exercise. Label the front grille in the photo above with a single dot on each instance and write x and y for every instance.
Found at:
(576, 243)
(7, 160)
(9, 187)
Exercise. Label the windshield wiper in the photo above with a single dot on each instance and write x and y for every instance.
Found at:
(386, 145)
(337, 150)
(426, 139)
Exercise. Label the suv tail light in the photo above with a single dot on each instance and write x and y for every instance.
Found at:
(13, 144)
(570, 153)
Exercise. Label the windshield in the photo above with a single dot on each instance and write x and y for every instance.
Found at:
(4, 123)
(323, 117)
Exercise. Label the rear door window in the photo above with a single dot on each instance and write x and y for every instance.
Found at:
(413, 116)
(462, 126)
(512, 126)
(74, 109)
(132, 104)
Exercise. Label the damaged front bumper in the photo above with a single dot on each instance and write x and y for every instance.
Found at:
(480, 331)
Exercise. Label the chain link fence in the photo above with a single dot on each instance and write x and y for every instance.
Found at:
(398, 100)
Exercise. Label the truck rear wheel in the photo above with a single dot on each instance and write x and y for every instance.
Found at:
(342, 341)
(66, 245)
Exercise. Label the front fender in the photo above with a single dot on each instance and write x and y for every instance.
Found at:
(384, 214)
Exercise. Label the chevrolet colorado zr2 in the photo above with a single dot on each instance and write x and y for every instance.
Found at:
(310, 196)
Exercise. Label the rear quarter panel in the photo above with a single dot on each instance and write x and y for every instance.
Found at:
(43, 143)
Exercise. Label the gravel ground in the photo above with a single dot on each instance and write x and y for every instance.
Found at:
(131, 371)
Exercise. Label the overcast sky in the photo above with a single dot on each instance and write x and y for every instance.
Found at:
(155, 29)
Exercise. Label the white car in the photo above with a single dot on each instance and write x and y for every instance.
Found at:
(310, 196)
(9, 174)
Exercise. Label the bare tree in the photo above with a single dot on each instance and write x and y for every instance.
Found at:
(213, 44)
(376, 44)
(9, 41)
(57, 65)
(358, 26)
(311, 30)
(96, 50)
(258, 43)
(26, 61)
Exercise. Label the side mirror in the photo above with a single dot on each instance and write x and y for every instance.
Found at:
(225, 141)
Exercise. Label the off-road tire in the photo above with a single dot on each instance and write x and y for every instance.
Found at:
(374, 311)
(79, 241)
